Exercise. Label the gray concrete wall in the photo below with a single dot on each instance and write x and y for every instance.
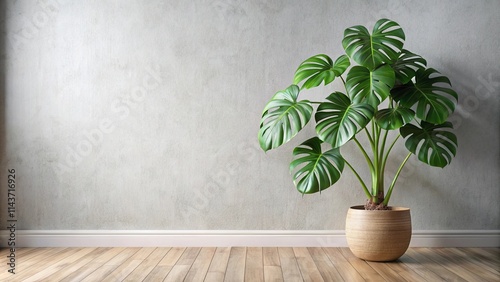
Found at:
(144, 114)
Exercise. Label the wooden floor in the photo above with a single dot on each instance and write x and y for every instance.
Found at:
(247, 264)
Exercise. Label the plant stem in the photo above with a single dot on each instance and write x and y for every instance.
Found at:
(389, 150)
(377, 173)
(370, 165)
(382, 148)
(389, 192)
(369, 136)
(368, 160)
(343, 81)
(365, 189)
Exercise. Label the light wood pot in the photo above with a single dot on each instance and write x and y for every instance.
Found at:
(380, 235)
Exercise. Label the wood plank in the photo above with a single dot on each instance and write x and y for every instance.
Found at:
(218, 266)
(363, 268)
(99, 273)
(57, 266)
(307, 267)
(158, 273)
(71, 268)
(92, 266)
(177, 273)
(272, 264)
(200, 266)
(484, 256)
(111, 265)
(35, 257)
(147, 265)
(236, 265)
(27, 258)
(436, 254)
(20, 252)
(494, 251)
(165, 265)
(346, 270)
(467, 265)
(273, 273)
(188, 256)
(181, 268)
(271, 256)
(422, 270)
(254, 267)
(123, 256)
(427, 262)
(385, 271)
(289, 266)
(172, 256)
(42, 264)
(492, 266)
(129, 263)
(328, 271)
(389, 271)
(251, 264)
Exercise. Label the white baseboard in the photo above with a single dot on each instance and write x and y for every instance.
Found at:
(225, 238)
(456, 238)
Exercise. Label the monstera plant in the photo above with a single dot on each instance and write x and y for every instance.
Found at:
(389, 89)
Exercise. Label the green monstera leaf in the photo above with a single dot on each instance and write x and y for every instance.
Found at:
(320, 68)
(407, 65)
(382, 46)
(394, 118)
(338, 120)
(314, 170)
(432, 144)
(283, 117)
(370, 87)
(434, 102)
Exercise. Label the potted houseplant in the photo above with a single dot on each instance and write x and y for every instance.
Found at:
(388, 89)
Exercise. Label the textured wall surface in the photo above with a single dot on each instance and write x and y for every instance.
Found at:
(144, 114)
